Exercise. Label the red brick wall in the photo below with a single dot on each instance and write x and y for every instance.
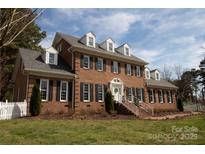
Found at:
(95, 77)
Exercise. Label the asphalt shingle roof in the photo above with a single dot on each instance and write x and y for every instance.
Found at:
(160, 83)
(74, 41)
(32, 60)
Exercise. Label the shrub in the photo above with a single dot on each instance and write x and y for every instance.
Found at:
(35, 103)
(109, 103)
(8, 95)
(180, 105)
(136, 101)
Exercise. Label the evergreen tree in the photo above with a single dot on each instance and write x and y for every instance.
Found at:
(35, 103)
(109, 104)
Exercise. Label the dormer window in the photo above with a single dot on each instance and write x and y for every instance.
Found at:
(51, 58)
(127, 51)
(157, 76)
(110, 46)
(147, 74)
(90, 41)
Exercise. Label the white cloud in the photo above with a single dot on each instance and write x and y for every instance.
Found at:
(114, 25)
(148, 55)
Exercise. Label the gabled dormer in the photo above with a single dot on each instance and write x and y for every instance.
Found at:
(124, 49)
(88, 39)
(155, 74)
(50, 56)
(108, 45)
(147, 73)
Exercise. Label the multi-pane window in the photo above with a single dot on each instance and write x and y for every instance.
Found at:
(127, 51)
(138, 71)
(63, 91)
(147, 73)
(129, 71)
(151, 95)
(90, 41)
(169, 97)
(100, 93)
(110, 47)
(100, 64)
(140, 94)
(157, 76)
(51, 58)
(44, 89)
(160, 93)
(86, 92)
(129, 94)
(86, 61)
(115, 67)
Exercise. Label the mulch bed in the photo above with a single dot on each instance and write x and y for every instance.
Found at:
(82, 117)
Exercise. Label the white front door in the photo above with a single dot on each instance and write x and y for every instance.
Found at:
(117, 92)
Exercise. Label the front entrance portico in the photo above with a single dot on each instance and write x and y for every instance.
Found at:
(116, 87)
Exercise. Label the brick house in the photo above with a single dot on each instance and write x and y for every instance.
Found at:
(74, 73)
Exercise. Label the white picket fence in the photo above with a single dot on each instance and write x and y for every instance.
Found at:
(11, 110)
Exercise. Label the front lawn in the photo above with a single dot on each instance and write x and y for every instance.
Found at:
(24, 131)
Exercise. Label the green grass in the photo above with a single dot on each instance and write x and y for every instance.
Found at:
(24, 131)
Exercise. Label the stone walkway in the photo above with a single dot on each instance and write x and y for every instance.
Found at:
(174, 116)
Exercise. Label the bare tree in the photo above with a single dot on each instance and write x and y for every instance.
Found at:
(178, 70)
(167, 72)
(12, 23)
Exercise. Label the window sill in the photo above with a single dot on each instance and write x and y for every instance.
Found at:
(86, 68)
(86, 101)
(100, 70)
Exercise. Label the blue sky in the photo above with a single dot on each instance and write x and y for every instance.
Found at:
(159, 36)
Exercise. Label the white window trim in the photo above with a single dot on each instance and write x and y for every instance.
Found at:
(88, 39)
(161, 93)
(61, 100)
(141, 96)
(125, 52)
(53, 58)
(152, 91)
(129, 73)
(108, 44)
(138, 69)
(47, 92)
(101, 63)
(170, 97)
(88, 92)
(131, 97)
(158, 76)
(103, 94)
(115, 63)
(147, 73)
(88, 62)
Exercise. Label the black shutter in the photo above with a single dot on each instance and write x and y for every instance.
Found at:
(50, 90)
(137, 93)
(164, 98)
(91, 92)
(105, 88)
(112, 67)
(141, 71)
(96, 92)
(154, 93)
(96, 63)
(167, 97)
(171, 96)
(58, 91)
(149, 91)
(126, 69)
(159, 95)
(81, 61)
(143, 94)
(119, 68)
(104, 65)
(133, 91)
(38, 82)
(127, 90)
(132, 70)
(70, 91)
(81, 92)
(91, 62)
